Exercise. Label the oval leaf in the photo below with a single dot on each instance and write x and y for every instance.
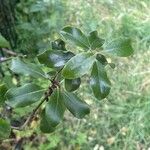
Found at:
(45, 126)
(95, 41)
(58, 45)
(20, 67)
(3, 42)
(3, 90)
(55, 109)
(72, 84)
(76, 36)
(78, 65)
(24, 95)
(4, 129)
(99, 81)
(102, 59)
(120, 47)
(76, 106)
(55, 58)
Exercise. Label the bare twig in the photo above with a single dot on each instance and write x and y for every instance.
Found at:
(10, 52)
(29, 119)
(48, 93)
(4, 59)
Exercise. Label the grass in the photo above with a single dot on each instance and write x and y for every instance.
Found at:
(120, 122)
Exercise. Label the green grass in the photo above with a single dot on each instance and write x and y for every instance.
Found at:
(120, 122)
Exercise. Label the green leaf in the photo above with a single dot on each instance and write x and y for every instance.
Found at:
(102, 59)
(4, 129)
(78, 65)
(33, 70)
(76, 106)
(72, 84)
(55, 109)
(75, 36)
(120, 47)
(58, 45)
(112, 65)
(24, 95)
(3, 42)
(55, 58)
(45, 125)
(3, 90)
(95, 41)
(99, 81)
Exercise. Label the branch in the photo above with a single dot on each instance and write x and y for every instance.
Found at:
(29, 119)
(47, 94)
(57, 74)
(10, 52)
(4, 59)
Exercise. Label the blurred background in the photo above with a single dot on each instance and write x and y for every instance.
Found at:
(120, 122)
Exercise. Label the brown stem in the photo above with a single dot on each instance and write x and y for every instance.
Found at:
(32, 115)
(57, 74)
(29, 119)
(10, 52)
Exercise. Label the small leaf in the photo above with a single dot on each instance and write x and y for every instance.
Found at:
(76, 106)
(95, 41)
(55, 109)
(45, 126)
(78, 65)
(72, 84)
(112, 65)
(99, 81)
(33, 70)
(55, 58)
(4, 129)
(102, 59)
(24, 95)
(75, 36)
(3, 90)
(58, 45)
(3, 42)
(120, 47)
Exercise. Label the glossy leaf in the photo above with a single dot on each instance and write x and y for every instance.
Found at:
(112, 65)
(55, 58)
(4, 129)
(3, 42)
(3, 90)
(95, 41)
(76, 36)
(21, 67)
(99, 81)
(102, 59)
(58, 45)
(78, 65)
(72, 84)
(120, 47)
(24, 95)
(45, 125)
(55, 109)
(76, 106)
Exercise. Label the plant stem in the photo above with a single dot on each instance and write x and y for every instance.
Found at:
(4, 59)
(29, 119)
(47, 94)
(10, 52)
